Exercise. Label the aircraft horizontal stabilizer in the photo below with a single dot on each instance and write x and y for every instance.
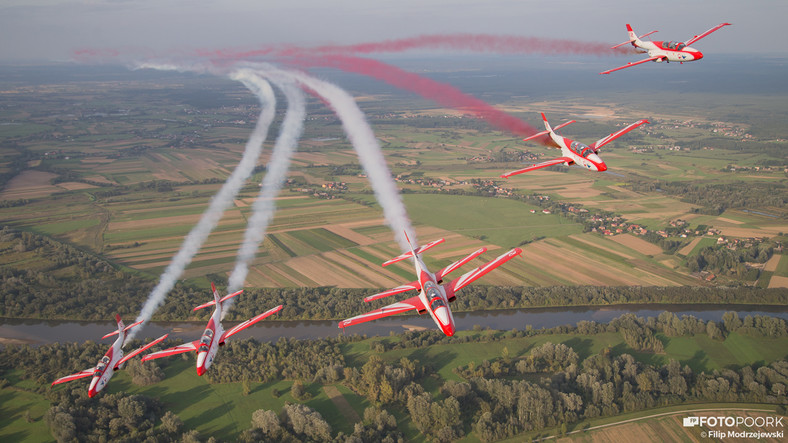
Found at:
(418, 250)
(124, 329)
(213, 302)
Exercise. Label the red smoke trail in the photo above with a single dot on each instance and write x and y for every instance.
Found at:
(485, 43)
(441, 93)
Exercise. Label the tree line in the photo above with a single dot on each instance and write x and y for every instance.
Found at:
(69, 283)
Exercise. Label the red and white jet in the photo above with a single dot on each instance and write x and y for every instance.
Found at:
(111, 361)
(574, 152)
(214, 335)
(433, 297)
(663, 51)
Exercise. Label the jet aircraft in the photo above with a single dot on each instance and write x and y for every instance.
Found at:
(433, 297)
(663, 51)
(214, 335)
(111, 361)
(574, 152)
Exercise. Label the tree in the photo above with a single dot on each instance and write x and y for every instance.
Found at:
(267, 421)
(171, 423)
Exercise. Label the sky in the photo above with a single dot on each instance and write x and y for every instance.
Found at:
(53, 30)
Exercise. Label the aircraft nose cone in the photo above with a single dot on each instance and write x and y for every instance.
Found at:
(91, 393)
(201, 357)
(448, 330)
(698, 55)
(601, 167)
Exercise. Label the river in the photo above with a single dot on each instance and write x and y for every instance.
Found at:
(37, 332)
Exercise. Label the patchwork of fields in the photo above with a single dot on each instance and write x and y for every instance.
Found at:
(111, 204)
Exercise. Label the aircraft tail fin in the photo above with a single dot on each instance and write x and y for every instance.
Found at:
(546, 124)
(632, 36)
(121, 326)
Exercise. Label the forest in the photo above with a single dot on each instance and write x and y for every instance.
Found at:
(549, 387)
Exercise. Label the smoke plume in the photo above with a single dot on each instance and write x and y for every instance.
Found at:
(482, 43)
(276, 173)
(221, 201)
(365, 144)
(445, 95)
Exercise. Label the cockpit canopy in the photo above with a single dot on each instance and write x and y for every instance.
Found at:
(102, 364)
(676, 46)
(205, 341)
(437, 302)
(581, 149)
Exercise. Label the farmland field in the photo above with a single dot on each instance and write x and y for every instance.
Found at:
(133, 182)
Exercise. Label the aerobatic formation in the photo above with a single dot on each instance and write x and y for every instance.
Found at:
(433, 293)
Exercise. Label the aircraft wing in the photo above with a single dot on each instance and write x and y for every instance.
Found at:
(442, 273)
(139, 350)
(81, 374)
(240, 327)
(555, 161)
(469, 277)
(396, 308)
(412, 286)
(603, 141)
(698, 37)
(631, 64)
(180, 349)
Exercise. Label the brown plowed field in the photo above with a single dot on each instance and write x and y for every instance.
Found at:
(638, 244)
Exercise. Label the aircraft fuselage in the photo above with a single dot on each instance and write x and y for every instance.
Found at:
(669, 51)
(581, 154)
(435, 299)
(106, 366)
(209, 342)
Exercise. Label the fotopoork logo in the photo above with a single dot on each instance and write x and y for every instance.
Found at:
(691, 421)
(730, 422)
(773, 423)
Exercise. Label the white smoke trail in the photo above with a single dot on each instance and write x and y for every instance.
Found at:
(221, 201)
(276, 173)
(364, 142)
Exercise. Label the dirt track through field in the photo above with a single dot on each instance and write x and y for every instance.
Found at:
(771, 265)
(687, 249)
(778, 282)
(342, 404)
